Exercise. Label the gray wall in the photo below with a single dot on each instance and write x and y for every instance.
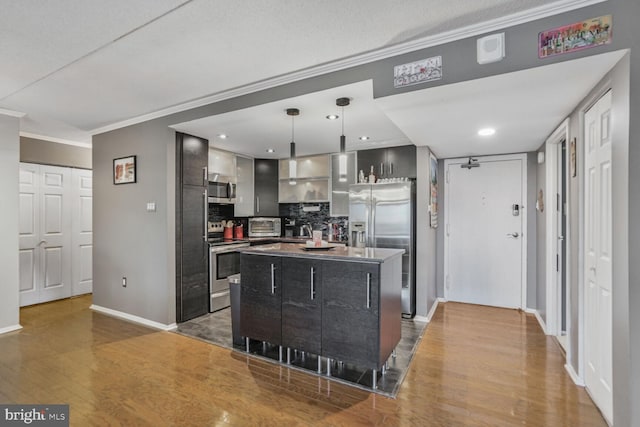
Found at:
(425, 238)
(153, 142)
(541, 249)
(9, 172)
(129, 241)
(53, 153)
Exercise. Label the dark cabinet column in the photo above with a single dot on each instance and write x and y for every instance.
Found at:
(350, 312)
(261, 298)
(192, 261)
(266, 187)
(368, 158)
(301, 304)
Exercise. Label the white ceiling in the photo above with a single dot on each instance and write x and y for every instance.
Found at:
(77, 66)
(252, 131)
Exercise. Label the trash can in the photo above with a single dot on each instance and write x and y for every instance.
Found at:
(234, 291)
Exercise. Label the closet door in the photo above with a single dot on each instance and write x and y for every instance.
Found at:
(45, 233)
(29, 232)
(55, 233)
(82, 232)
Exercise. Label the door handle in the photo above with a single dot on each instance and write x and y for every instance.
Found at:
(368, 290)
(42, 242)
(514, 235)
(258, 204)
(205, 177)
(561, 238)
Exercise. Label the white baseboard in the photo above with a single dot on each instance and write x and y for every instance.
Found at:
(11, 328)
(427, 318)
(540, 321)
(132, 318)
(574, 376)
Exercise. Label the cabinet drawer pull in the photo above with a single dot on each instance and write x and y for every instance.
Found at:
(258, 204)
(391, 169)
(313, 287)
(205, 177)
(381, 169)
(273, 279)
(206, 213)
(368, 290)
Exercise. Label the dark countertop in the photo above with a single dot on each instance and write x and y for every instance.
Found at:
(341, 253)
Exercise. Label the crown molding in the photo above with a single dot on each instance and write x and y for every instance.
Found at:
(12, 113)
(58, 140)
(501, 23)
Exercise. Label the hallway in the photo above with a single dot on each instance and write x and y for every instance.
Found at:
(475, 365)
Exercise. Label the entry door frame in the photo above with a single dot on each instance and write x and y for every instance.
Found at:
(552, 217)
(523, 212)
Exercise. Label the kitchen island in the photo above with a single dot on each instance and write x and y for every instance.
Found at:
(343, 304)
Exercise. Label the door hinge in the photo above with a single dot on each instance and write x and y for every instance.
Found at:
(448, 230)
(557, 202)
(447, 176)
(447, 282)
(557, 262)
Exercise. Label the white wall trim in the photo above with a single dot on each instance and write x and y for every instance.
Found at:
(540, 321)
(533, 14)
(561, 133)
(58, 140)
(574, 376)
(11, 328)
(12, 113)
(422, 319)
(136, 319)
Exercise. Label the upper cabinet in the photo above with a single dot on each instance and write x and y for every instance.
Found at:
(222, 163)
(266, 187)
(192, 153)
(392, 162)
(340, 190)
(244, 187)
(311, 183)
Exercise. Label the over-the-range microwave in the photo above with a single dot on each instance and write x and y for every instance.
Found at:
(222, 189)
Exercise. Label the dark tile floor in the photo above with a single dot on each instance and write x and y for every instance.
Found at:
(216, 329)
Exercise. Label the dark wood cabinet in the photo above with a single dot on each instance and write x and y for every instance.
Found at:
(261, 298)
(266, 187)
(192, 250)
(194, 159)
(392, 162)
(351, 304)
(302, 304)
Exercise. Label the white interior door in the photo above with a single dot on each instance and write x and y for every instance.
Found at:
(598, 257)
(484, 243)
(29, 232)
(82, 232)
(55, 232)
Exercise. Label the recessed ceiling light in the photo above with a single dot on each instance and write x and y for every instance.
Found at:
(270, 150)
(222, 136)
(364, 138)
(486, 132)
(332, 116)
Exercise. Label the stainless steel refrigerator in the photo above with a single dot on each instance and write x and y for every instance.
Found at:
(383, 216)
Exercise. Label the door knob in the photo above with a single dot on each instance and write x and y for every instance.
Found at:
(514, 235)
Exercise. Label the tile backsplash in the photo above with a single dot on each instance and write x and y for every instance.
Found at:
(317, 219)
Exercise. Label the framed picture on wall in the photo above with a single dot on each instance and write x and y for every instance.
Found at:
(433, 190)
(124, 170)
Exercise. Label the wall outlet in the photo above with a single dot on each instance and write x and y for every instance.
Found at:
(124, 282)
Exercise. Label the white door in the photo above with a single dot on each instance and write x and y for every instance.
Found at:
(45, 233)
(29, 232)
(82, 232)
(55, 231)
(598, 257)
(484, 243)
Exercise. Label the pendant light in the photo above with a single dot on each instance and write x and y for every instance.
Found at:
(293, 164)
(342, 158)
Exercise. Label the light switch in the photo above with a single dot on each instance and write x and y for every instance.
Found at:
(151, 207)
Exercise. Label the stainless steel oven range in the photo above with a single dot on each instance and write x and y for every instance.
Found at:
(224, 261)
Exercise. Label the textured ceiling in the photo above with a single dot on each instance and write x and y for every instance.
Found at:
(77, 65)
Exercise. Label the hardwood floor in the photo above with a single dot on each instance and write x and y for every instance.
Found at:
(475, 366)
